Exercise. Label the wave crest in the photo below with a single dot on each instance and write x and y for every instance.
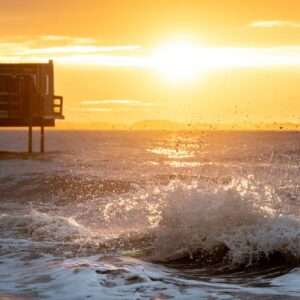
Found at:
(241, 223)
(42, 227)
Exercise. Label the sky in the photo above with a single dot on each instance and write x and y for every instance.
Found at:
(187, 61)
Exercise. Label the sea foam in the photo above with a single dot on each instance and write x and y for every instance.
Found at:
(248, 220)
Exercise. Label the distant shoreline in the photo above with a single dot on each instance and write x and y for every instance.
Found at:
(166, 125)
(120, 129)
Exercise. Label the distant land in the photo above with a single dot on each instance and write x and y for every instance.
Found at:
(175, 126)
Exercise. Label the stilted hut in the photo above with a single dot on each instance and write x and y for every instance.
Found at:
(27, 98)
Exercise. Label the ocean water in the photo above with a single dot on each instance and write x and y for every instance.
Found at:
(150, 215)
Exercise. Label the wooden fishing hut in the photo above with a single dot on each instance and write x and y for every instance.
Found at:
(27, 98)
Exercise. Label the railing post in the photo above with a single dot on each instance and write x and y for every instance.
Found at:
(42, 138)
(30, 138)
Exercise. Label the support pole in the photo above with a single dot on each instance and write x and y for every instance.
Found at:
(42, 139)
(28, 93)
(30, 138)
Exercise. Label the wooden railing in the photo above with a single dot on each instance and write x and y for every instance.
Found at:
(58, 105)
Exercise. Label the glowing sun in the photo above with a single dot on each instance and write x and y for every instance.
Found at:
(179, 61)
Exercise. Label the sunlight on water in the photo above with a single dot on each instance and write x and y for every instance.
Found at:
(183, 164)
(172, 153)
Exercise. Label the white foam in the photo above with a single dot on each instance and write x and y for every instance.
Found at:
(248, 218)
(41, 226)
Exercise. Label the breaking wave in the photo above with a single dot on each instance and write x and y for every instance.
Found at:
(241, 224)
(42, 227)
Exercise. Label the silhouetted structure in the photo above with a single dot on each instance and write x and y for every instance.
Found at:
(27, 97)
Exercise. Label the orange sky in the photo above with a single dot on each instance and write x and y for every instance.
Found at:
(124, 61)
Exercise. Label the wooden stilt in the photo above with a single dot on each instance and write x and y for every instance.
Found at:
(42, 139)
(30, 139)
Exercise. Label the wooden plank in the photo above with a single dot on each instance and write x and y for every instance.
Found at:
(23, 123)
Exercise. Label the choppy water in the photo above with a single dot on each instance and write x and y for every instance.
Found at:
(129, 215)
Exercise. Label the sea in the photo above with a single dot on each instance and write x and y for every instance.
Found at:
(150, 215)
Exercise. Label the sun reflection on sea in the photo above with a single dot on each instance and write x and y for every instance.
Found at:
(183, 164)
(172, 153)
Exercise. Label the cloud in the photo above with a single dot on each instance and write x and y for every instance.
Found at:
(113, 105)
(126, 102)
(98, 60)
(275, 23)
(80, 49)
(98, 109)
(66, 50)
(253, 57)
(66, 38)
(91, 109)
(117, 102)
